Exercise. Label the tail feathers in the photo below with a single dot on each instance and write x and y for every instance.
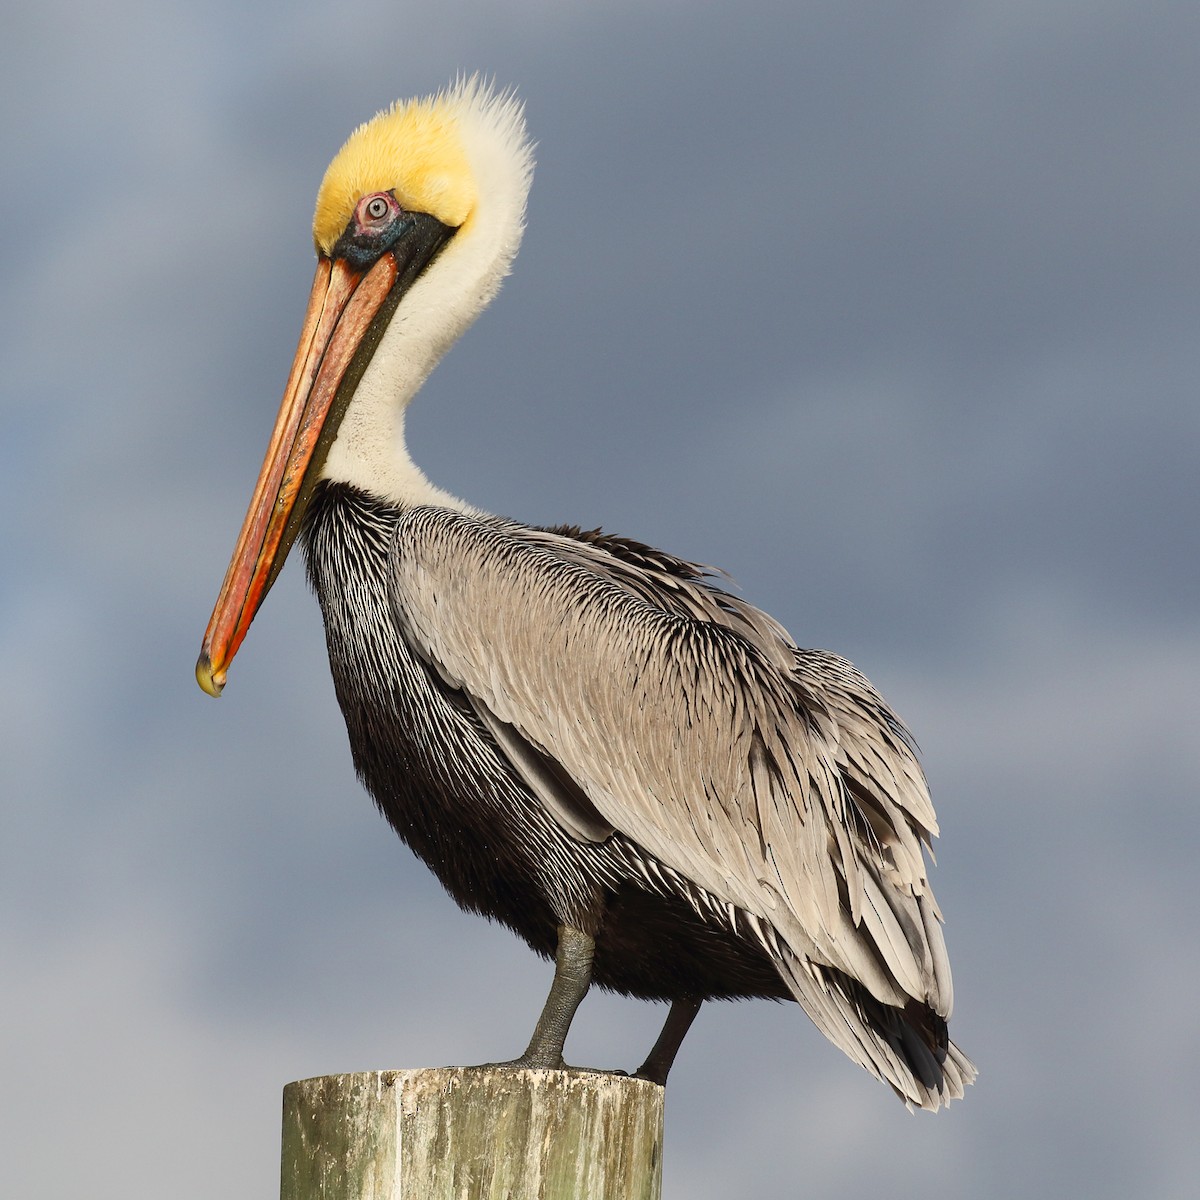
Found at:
(908, 1048)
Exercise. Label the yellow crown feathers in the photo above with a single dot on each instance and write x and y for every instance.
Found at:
(413, 149)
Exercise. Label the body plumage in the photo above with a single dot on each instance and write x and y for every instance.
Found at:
(448, 789)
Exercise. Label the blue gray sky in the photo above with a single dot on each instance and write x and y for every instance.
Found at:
(890, 310)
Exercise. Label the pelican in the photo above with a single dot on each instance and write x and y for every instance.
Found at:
(584, 738)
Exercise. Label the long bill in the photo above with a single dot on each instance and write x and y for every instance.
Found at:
(342, 309)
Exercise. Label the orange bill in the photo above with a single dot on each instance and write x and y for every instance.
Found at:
(343, 304)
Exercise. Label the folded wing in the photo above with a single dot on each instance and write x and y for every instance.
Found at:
(634, 695)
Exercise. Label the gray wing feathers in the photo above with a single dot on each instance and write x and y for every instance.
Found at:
(886, 1045)
(689, 721)
(556, 790)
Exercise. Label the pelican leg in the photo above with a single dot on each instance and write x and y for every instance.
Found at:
(572, 978)
(662, 1054)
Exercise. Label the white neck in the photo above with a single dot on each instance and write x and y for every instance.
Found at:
(369, 450)
(371, 454)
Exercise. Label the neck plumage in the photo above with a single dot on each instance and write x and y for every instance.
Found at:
(369, 452)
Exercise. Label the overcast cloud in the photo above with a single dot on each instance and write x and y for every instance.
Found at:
(890, 310)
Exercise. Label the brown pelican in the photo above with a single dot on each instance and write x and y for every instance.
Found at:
(585, 738)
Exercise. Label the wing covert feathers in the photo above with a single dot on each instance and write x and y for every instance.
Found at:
(635, 695)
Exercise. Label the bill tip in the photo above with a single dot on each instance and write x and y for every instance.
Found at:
(211, 681)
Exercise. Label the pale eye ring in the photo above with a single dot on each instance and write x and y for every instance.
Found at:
(376, 208)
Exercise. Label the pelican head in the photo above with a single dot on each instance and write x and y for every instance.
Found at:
(417, 222)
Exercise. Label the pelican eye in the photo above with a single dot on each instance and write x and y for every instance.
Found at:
(378, 223)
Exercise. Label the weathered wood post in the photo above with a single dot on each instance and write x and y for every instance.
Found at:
(472, 1133)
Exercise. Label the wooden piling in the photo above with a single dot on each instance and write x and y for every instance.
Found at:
(472, 1133)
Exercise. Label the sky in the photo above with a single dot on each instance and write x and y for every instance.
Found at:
(888, 310)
